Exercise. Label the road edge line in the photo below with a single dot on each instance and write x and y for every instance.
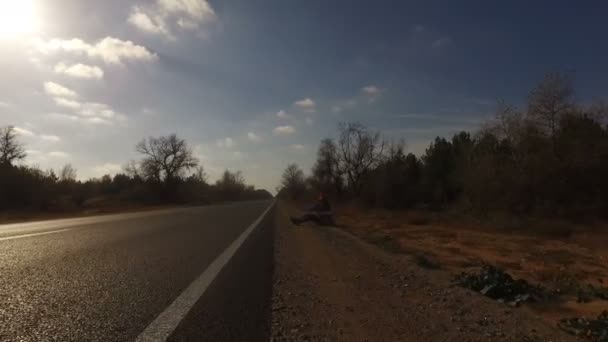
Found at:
(167, 321)
(14, 237)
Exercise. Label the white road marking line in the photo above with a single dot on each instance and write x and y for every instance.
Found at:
(33, 234)
(81, 221)
(164, 325)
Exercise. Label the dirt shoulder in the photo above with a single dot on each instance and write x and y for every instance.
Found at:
(331, 286)
(564, 258)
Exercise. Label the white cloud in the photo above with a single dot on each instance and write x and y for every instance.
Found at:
(165, 16)
(50, 138)
(419, 28)
(60, 101)
(149, 23)
(187, 24)
(98, 121)
(441, 42)
(111, 50)
(306, 105)
(282, 114)
(237, 154)
(80, 71)
(55, 89)
(142, 21)
(309, 121)
(298, 147)
(98, 110)
(284, 130)
(60, 116)
(24, 132)
(372, 92)
(4, 104)
(253, 137)
(338, 108)
(198, 10)
(79, 119)
(106, 169)
(68, 45)
(93, 112)
(58, 154)
(225, 143)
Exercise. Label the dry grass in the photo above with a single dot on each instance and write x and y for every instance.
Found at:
(560, 256)
(419, 219)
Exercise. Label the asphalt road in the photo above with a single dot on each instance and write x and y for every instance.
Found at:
(118, 277)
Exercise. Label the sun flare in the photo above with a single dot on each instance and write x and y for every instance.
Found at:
(18, 18)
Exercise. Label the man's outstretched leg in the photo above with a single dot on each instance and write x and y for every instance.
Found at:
(305, 218)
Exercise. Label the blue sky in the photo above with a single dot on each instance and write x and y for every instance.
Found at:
(254, 85)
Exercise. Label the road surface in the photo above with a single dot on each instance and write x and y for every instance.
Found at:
(185, 274)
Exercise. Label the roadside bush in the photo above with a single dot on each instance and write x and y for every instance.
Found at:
(26, 188)
(548, 160)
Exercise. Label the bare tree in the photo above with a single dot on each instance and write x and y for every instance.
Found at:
(506, 124)
(550, 100)
(200, 175)
(293, 180)
(599, 112)
(360, 151)
(67, 173)
(231, 185)
(11, 150)
(395, 150)
(326, 172)
(132, 169)
(165, 158)
(232, 179)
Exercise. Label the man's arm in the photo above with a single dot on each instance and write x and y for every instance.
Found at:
(315, 207)
(321, 206)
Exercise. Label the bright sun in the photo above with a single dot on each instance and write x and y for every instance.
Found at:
(18, 18)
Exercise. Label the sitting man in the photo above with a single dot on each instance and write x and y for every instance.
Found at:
(320, 213)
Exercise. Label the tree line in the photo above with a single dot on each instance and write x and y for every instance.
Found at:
(167, 172)
(549, 158)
